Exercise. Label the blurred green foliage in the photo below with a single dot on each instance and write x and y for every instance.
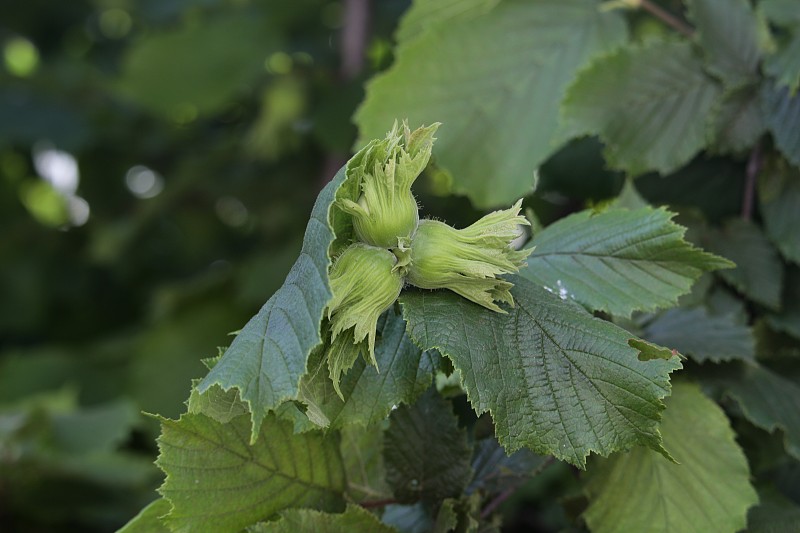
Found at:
(158, 161)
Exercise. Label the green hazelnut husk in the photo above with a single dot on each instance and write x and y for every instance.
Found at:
(386, 209)
(396, 217)
(468, 261)
(364, 285)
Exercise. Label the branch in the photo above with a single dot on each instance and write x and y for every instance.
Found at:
(353, 43)
(753, 169)
(354, 37)
(378, 503)
(666, 17)
(499, 499)
(503, 496)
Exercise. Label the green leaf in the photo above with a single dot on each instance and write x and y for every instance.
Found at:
(779, 196)
(775, 514)
(782, 115)
(708, 491)
(628, 198)
(295, 412)
(446, 518)
(426, 454)
(269, 355)
(98, 428)
(650, 105)
(784, 64)
(426, 14)
(781, 12)
(168, 352)
(773, 345)
(403, 373)
(221, 405)
(495, 471)
(198, 67)
(738, 121)
(618, 261)
(216, 481)
(768, 400)
(462, 514)
(728, 31)
(354, 519)
(495, 82)
(758, 273)
(149, 519)
(554, 378)
(362, 453)
(788, 319)
(704, 336)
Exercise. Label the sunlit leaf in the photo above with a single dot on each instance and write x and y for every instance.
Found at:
(650, 105)
(495, 82)
(707, 490)
(217, 481)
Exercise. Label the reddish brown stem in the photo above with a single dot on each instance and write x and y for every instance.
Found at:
(378, 503)
(353, 43)
(751, 174)
(497, 501)
(354, 37)
(667, 18)
(506, 494)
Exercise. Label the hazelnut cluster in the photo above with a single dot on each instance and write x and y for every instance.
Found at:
(394, 247)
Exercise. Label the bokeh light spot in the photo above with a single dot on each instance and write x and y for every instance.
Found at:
(143, 182)
(44, 202)
(184, 113)
(78, 210)
(115, 23)
(279, 63)
(21, 57)
(231, 211)
(57, 167)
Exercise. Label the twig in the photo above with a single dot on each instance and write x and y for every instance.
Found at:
(753, 169)
(353, 43)
(354, 37)
(378, 503)
(499, 499)
(503, 496)
(666, 17)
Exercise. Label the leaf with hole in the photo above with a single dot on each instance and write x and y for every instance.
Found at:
(555, 379)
